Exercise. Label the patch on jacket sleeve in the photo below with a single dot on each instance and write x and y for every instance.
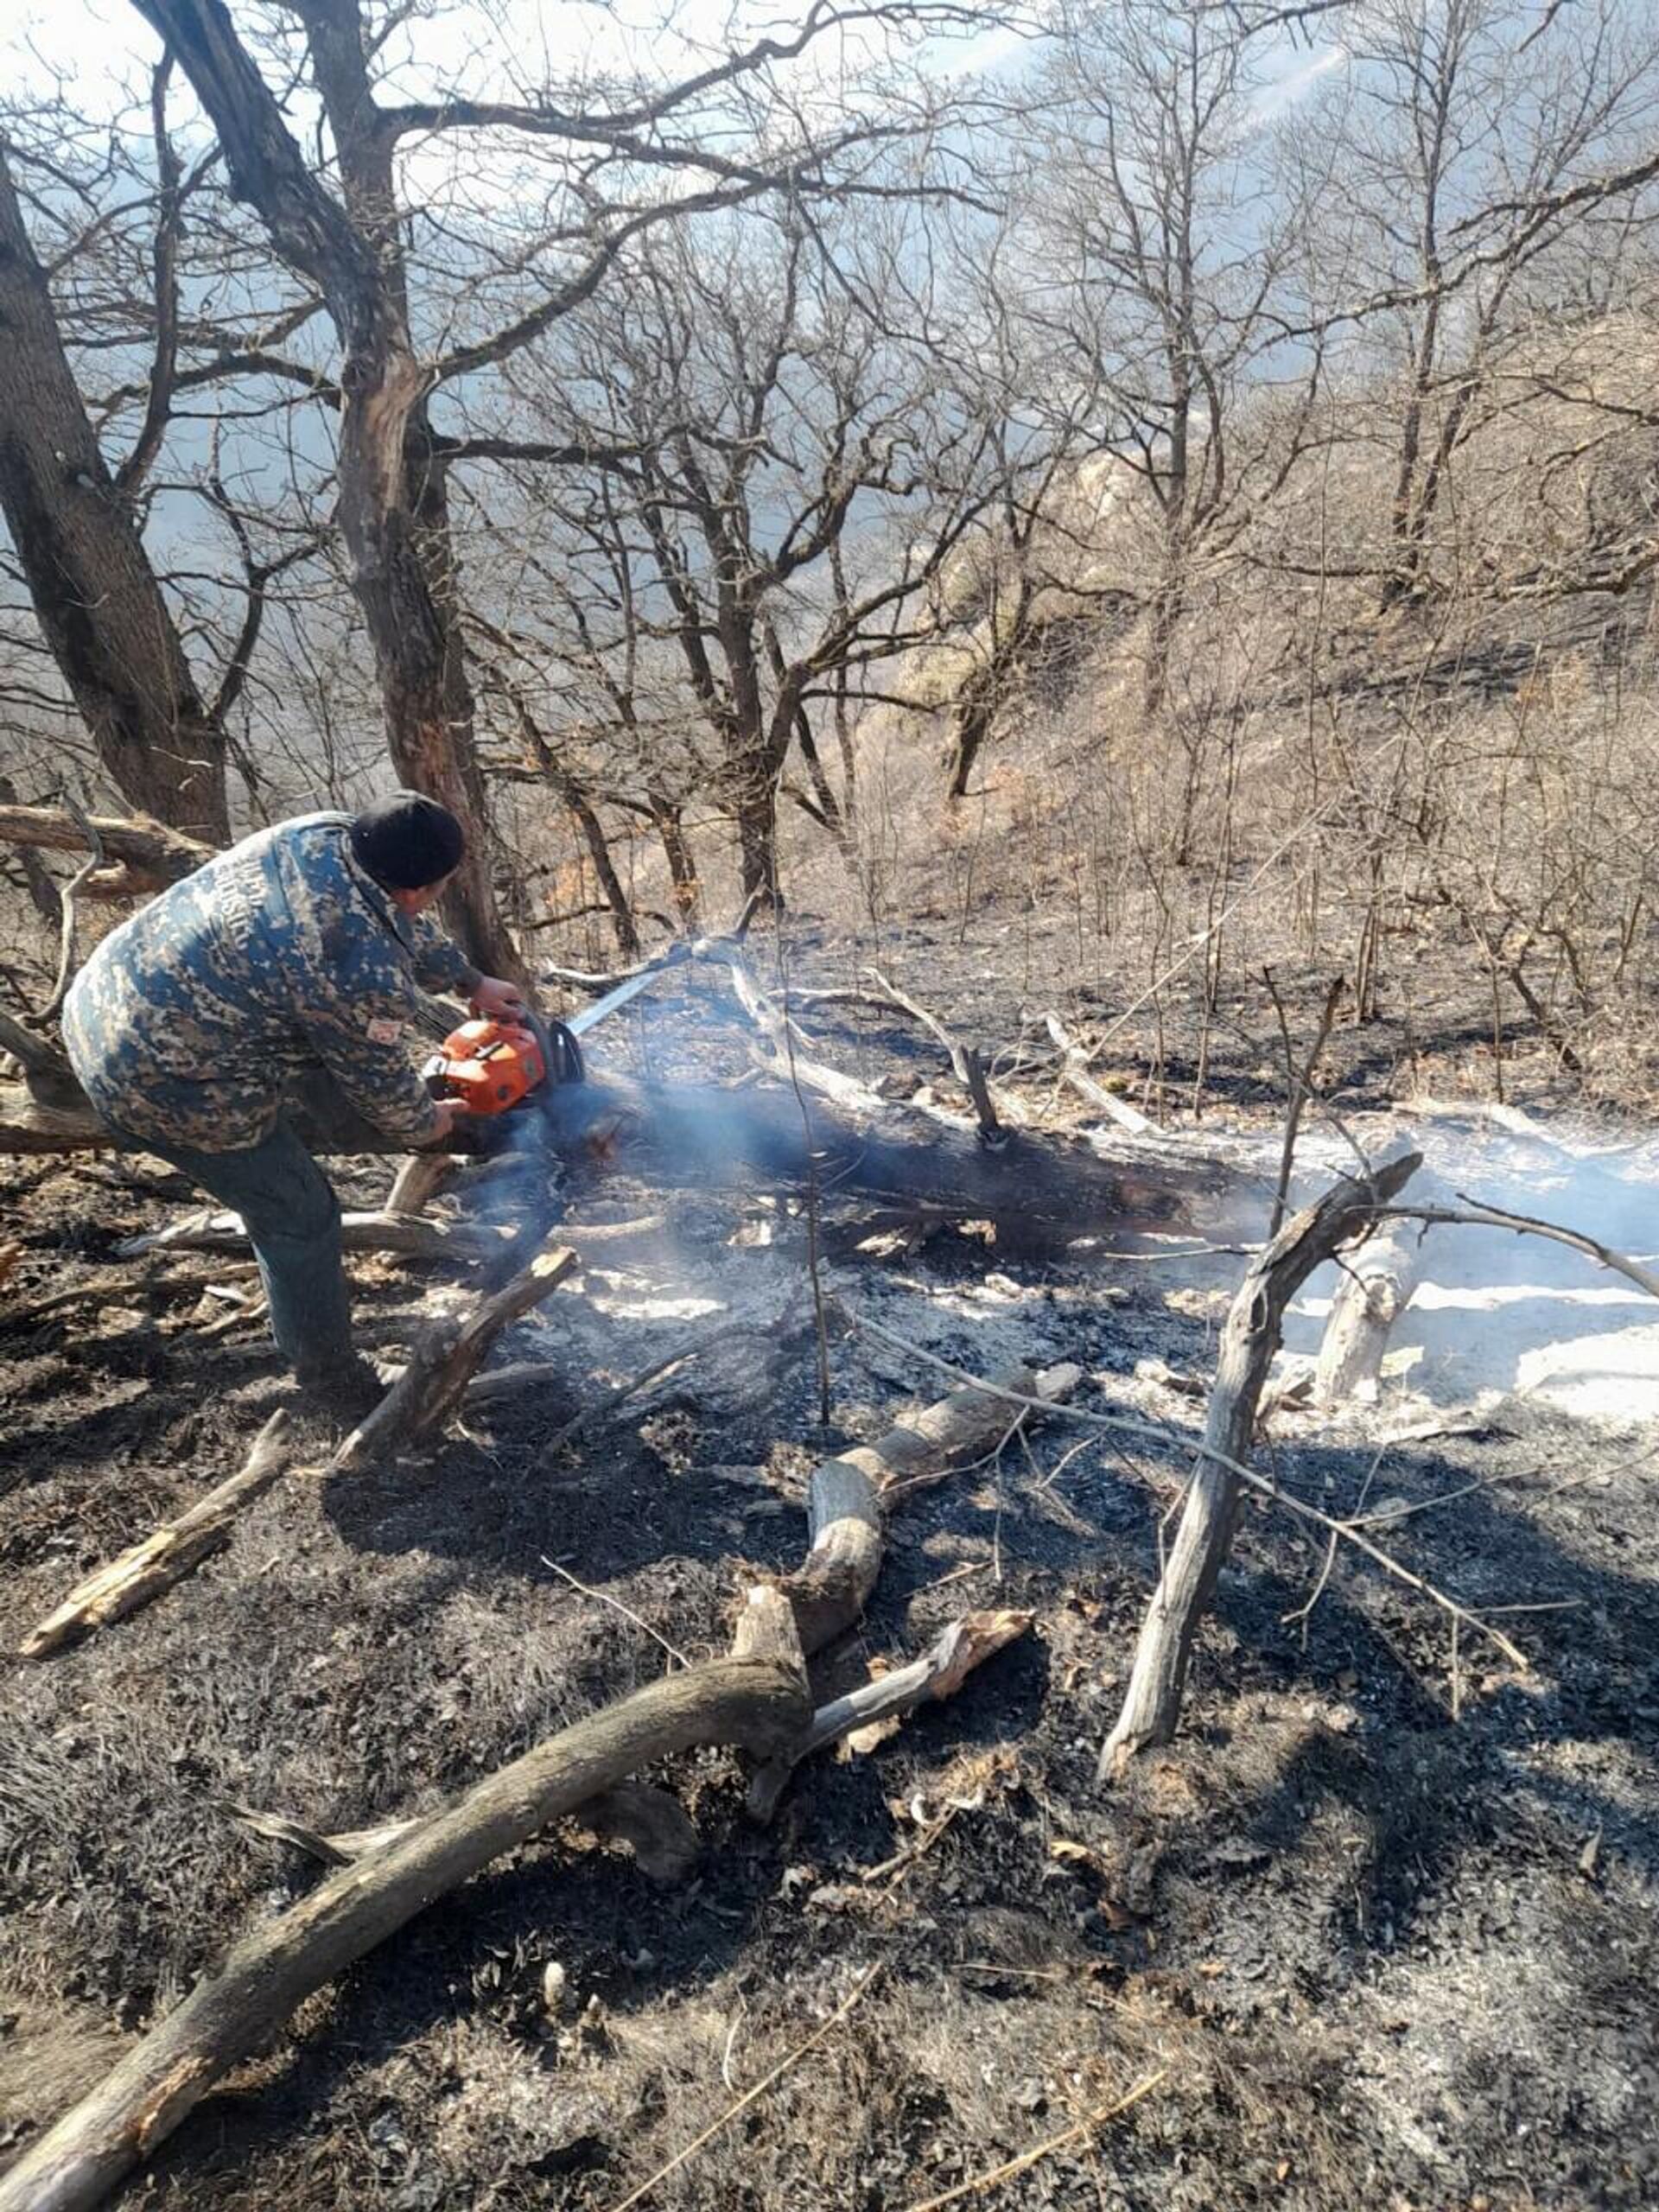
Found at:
(384, 1031)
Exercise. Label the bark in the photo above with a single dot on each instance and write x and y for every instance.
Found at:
(756, 815)
(393, 510)
(95, 596)
(1375, 1291)
(232, 2013)
(1249, 1338)
(830, 1590)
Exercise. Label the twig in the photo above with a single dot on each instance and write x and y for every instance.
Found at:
(1178, 1440)
(749, 2096)
(979, 2182)
(1073, 1062)
(1474, 1215)
(1302, 1611)
(1298, 1087)
(94, 860)
(604, 1598)
(965, 1063)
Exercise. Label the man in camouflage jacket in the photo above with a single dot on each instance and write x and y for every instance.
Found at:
(300, 948)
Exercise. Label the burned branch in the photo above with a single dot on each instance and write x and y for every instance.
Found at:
(1248, 1341)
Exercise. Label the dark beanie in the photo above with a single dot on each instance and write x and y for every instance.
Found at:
(407, 842)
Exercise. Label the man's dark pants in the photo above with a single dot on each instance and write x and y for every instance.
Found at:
(292, 1217)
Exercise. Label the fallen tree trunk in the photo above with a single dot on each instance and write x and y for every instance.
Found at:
(753, 1703)
(1063, 1185)
(1250, 1337)
(697, 1136)
(151, 854)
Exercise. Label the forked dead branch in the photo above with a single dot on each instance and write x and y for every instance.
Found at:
(757, 1700)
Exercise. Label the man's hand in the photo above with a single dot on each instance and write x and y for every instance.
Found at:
(450, 1110)
(497, 1000)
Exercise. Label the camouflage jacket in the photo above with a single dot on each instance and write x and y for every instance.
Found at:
(190, 1020)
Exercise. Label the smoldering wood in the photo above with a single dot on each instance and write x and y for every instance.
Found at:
(785, 1330)
(445, 1359)
(698, 1136)
(1249, 1338)
(755, 1704)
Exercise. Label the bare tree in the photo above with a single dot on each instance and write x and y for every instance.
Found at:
(588, 192)
(784, 471)
(1459, 127)
(72, 522)
(1173, 251)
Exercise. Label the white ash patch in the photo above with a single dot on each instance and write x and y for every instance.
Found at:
(1495, 1311)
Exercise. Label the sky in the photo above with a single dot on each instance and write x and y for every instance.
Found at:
(104, 44)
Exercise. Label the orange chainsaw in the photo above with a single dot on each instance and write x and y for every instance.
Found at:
(494, 1067)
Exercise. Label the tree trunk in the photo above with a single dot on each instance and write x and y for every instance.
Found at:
(682, 868)
(1249, 1338)
(1375, 1291)
(95, 596)
(151, 856)
(391, 510)
(757, 837)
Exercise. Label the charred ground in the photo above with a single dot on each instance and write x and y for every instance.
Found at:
(1378, 1956)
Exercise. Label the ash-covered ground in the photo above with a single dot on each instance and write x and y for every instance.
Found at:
(1379, 1927)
